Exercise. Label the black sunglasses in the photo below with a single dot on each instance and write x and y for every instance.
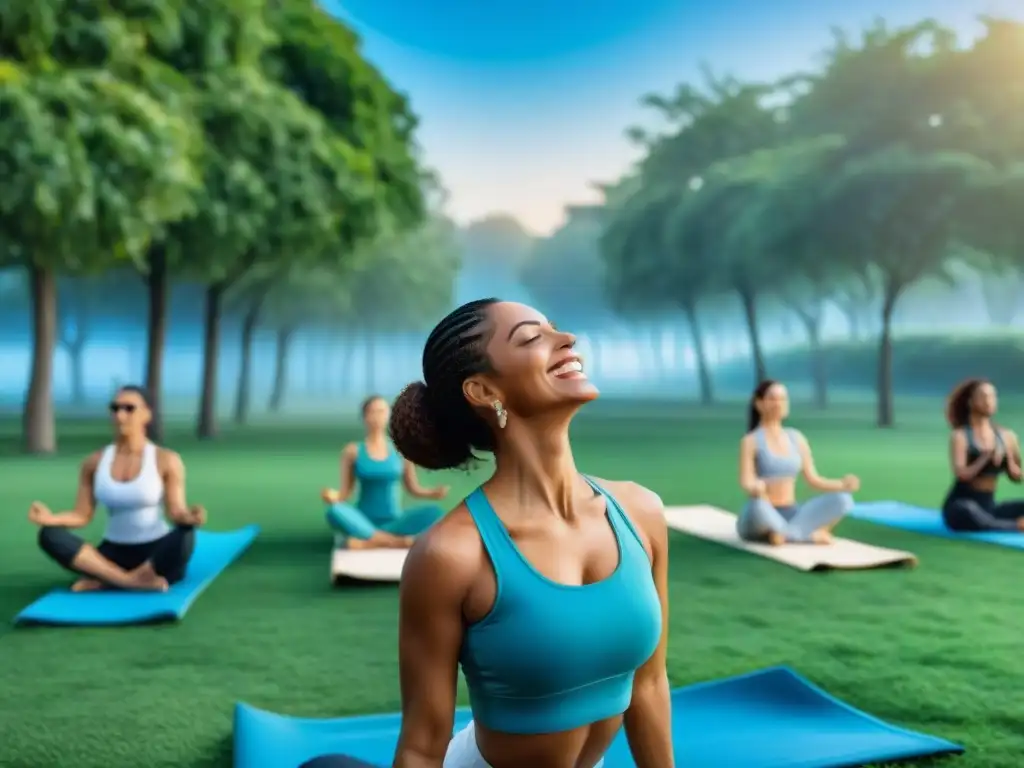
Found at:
(126, 407)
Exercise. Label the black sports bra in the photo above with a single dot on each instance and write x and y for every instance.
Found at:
(974, 453)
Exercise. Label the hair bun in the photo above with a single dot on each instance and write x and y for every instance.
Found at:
(417, 435)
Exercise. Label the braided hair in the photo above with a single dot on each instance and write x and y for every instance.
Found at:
(432, 423)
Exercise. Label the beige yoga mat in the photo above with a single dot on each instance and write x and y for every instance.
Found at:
(367, 564)
(717, 525)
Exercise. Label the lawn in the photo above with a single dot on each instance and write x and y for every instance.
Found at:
(936, 649)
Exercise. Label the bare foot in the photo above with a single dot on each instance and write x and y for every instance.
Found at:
(87, 585)
(359, 544)
(329, 496)
(776, 539)
(145, 579)
(822, 537)
(1020, 523)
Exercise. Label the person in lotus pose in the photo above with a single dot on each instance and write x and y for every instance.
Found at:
(547, 586)
(377, 520)
(980, 452)
(137, 481)
(771, 457)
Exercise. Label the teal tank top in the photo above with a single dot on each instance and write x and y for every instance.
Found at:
(550, 657)
(380, 485)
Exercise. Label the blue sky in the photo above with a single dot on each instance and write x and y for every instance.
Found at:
(524, 104)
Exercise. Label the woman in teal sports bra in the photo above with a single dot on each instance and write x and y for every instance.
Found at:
(547, 587)
(377, 519)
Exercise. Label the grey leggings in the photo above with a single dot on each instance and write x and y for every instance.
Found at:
(796, 523)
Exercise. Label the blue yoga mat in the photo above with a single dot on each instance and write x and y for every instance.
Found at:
(928, 521)
(768, 719)
(213, 553)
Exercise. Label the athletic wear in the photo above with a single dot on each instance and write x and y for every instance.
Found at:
(550, 657)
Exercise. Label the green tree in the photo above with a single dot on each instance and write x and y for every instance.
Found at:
(647, 270)
(723, 119)
(784, 183)
(404, 283)
(566, 275)
(94, 168)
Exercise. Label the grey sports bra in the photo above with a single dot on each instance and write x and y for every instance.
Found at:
(770, 465)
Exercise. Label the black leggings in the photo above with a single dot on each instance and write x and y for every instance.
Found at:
(169, 554)
(967, 509)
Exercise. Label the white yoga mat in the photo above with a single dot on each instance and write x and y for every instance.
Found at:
(367, 564)
(719, 526)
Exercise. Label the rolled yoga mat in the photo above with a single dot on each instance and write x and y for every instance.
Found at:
(719, 526)
(768, 719)
(929, 522)
(370, 565)
(213, 553)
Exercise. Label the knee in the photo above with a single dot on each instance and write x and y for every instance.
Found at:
(841, 501)
(59, 544)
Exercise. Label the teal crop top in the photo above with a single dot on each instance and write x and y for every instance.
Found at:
(550, 657)
(380, 485)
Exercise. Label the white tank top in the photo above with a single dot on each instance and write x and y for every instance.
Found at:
(136, 508)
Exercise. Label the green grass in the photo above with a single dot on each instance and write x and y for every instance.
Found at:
(936, 649)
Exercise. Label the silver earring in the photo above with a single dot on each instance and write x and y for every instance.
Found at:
(499, 411)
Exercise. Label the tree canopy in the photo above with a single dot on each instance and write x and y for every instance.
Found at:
(828, 185)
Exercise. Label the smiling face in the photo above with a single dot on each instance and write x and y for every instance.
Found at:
(535, 368)
(376, 413)
(984, 401)
(129, 413)
(774, 404)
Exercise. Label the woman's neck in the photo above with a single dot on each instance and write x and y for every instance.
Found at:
(376, 437)
(771, 426)
(130, 443)
(974, 422)
(535, 463)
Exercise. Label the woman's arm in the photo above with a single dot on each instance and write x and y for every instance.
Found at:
(810, 472)
(178, 510)
(648, 720)
(412, 484)
(958, 458)
(85, 502)
(750, 483)
(1012, 443)
(434, 584)
(347, 473)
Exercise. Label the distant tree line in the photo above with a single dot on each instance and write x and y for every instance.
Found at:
(901, 157)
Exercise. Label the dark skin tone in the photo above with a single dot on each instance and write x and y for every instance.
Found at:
(375, 418)
(559, 525)
(984, 403)
(130, 416)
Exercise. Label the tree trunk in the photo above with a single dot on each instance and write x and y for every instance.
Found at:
(371, 362)
(819, 367)
(314, 358)
(707, 394)
(282, 348)
(749, 301)
(156, 335)
(885, 394)
(243, 393)
(39, 421)
(348, 356)
(207, 425)
(76, 363)
(851, 313)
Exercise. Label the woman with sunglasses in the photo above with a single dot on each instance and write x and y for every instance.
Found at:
(137, 482)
